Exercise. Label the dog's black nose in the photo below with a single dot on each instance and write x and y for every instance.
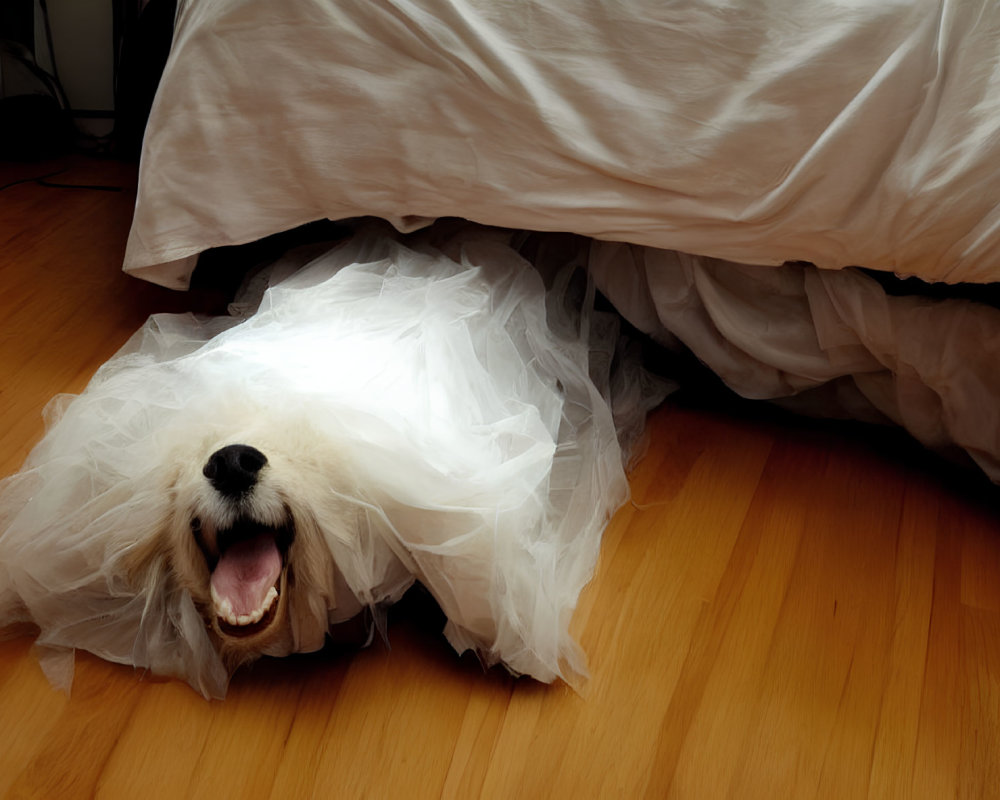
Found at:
(233, 469)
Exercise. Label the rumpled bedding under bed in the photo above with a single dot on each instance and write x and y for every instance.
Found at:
(822, 342)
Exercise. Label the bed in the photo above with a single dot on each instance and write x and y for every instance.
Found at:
(733, 163)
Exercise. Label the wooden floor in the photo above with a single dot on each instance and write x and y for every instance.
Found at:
(786, 610)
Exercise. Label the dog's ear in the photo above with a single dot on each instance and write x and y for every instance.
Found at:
(145, 547)
(136, 560)
(145, 533)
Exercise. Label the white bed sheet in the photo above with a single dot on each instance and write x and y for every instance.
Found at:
(840, 132)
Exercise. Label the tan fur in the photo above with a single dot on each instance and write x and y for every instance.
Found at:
(301, 485)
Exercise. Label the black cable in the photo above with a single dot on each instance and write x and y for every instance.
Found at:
(26, 60)
(41, 181)
(55, 85)
(93, 187)
(44, 8)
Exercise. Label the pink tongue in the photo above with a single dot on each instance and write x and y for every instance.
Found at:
(246, 571)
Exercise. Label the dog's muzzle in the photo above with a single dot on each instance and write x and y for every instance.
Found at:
(247, 559)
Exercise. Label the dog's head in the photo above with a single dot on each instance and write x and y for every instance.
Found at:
(241, 531)
(253, 539)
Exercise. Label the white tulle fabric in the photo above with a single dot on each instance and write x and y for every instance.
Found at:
(475, 403)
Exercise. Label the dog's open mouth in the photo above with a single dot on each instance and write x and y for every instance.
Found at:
(249, 578)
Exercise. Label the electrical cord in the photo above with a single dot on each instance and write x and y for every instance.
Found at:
(41, 180)
(44, 8)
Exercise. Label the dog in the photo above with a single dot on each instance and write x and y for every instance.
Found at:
(386, 412)
(250, 538)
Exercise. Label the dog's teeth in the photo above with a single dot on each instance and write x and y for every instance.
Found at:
(269, 598)
(224, 608)
(256, 615)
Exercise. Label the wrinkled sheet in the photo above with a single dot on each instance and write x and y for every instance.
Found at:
(822, 342)
(840, 133)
